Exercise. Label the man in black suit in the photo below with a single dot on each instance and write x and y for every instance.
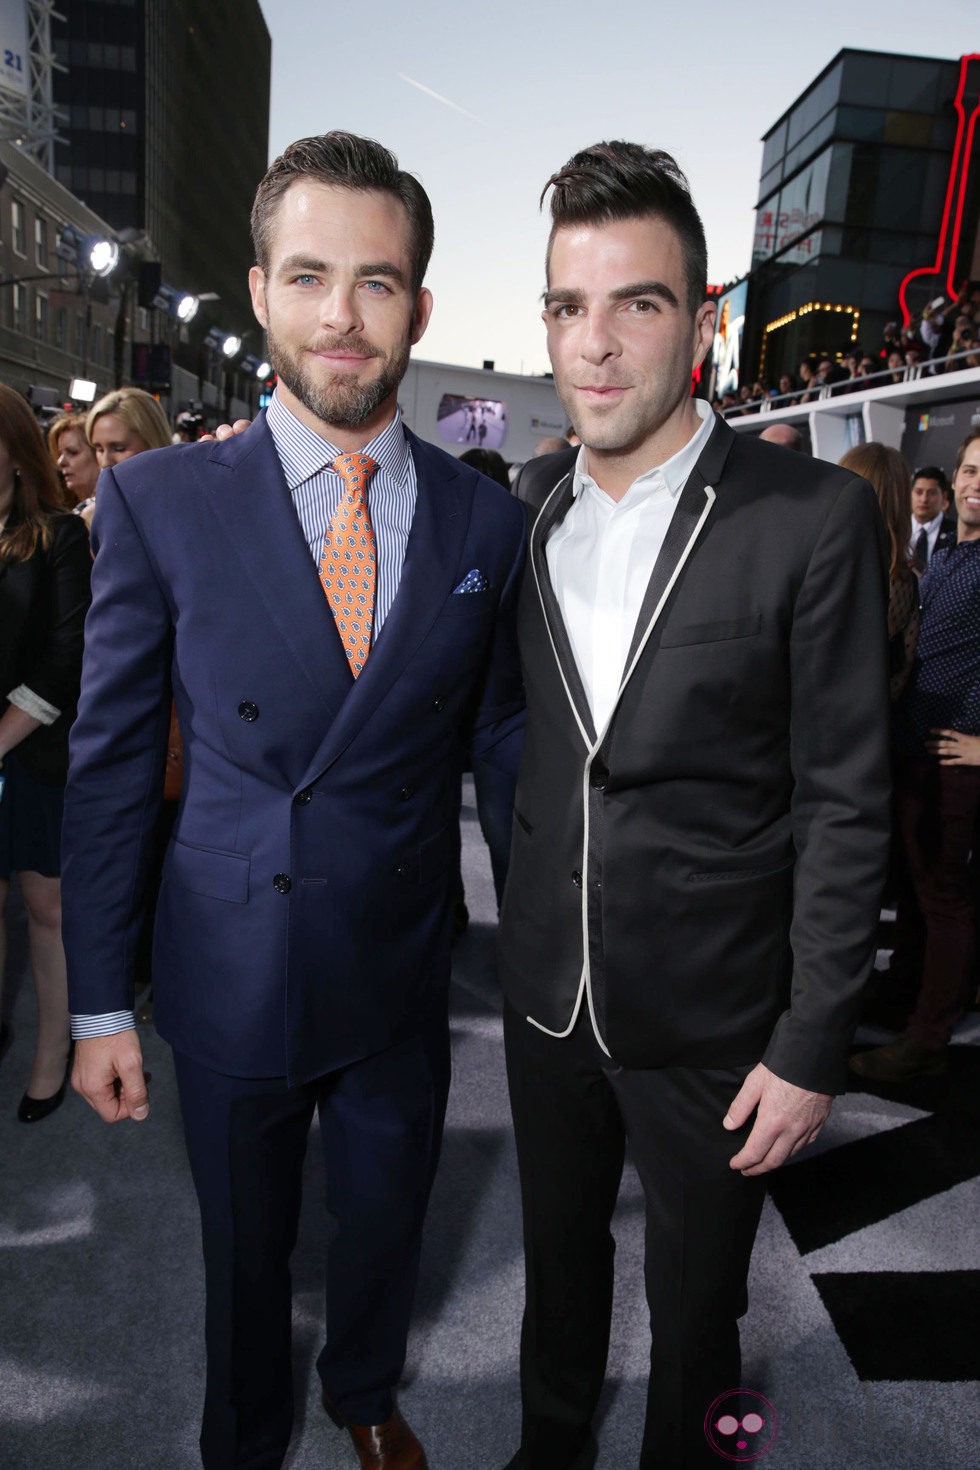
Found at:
(701, 821)
(932, 527)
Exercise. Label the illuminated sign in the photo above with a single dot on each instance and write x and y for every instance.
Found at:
(938, 278)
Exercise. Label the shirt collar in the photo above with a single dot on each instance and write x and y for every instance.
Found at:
(917, 526)
(673, 472)
(303, 453)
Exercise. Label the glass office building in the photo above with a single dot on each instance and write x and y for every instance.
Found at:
(857, 180)
(166, 109)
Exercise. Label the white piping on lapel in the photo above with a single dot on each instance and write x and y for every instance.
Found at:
(593, 750)
(710, 499)
(547, 621)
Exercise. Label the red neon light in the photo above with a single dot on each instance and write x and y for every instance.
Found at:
(958, 170)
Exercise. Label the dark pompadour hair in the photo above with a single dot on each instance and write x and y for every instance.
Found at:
(620, 181)
(347, 162)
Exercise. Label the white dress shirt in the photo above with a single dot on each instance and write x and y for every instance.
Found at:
(931, 529)
(601, 557)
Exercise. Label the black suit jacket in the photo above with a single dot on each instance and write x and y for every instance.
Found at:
(704, 874)
(43, 602)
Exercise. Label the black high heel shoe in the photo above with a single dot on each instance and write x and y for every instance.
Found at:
(33, 1109)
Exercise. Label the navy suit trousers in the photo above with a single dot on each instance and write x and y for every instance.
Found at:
(380, 1126)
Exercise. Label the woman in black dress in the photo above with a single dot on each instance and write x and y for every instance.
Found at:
(44, 593)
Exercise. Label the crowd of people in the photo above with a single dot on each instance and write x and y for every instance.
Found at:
(943, 338)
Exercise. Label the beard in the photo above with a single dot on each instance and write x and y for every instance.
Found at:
(338, 400)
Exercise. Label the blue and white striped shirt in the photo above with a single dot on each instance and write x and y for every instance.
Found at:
(316, 491)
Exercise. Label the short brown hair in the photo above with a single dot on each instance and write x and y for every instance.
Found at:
(971, 438)
(623, 181)
(344, 161)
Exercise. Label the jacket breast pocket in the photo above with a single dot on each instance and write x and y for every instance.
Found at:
(684, 635)
(213, 874)
(469, 604)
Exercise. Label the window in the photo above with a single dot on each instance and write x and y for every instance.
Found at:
(17, 226)
(61, 328)
(19, 309)
(41, 242)
(80, 337)
(40, 317)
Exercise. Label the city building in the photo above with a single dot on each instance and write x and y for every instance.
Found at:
(164, 108)
(870, 177)
(58, 322)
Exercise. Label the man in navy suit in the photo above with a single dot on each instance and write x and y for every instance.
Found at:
(301, 954)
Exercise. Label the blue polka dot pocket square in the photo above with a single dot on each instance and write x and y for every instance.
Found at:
(474, 581)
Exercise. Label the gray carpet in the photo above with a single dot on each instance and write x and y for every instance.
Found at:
(101, 1287)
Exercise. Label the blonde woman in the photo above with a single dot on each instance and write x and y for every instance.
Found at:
(75, 458)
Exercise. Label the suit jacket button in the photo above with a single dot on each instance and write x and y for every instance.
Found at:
(282, 883)
(439, 703)
(401, 871)
(248, 711)
(599, 778)
(304, 797)
(406, 793)
(577, 878)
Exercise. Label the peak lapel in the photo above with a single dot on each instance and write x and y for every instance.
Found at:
(248, 495)
(690, 514)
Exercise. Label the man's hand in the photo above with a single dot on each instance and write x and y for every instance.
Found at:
(226, 431)
(787, 1119)
(109, 1074)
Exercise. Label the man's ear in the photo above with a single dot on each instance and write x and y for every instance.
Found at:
(423, 310)
(256, 285)
(704, 330)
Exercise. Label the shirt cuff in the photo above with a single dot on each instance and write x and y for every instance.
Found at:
(32, 704)
(108, 1024)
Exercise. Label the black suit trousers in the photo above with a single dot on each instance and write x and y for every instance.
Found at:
(574, 1112)
(380, 1129)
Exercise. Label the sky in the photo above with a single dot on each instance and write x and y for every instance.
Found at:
(483, 104)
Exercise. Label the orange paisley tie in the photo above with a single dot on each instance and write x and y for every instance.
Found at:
(348, 563)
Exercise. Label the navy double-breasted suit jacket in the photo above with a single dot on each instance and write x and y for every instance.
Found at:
(303, 917)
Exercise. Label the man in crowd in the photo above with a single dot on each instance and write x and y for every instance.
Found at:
(701, 821)
(328, 600)
(939, 800)
(931, 526)
(784, 434)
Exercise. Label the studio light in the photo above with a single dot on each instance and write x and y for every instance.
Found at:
(82, 390)
(102, 257)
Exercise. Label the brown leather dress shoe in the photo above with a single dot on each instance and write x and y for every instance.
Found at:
(387, 1446)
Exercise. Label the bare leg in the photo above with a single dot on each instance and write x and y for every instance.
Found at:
(42, 900)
